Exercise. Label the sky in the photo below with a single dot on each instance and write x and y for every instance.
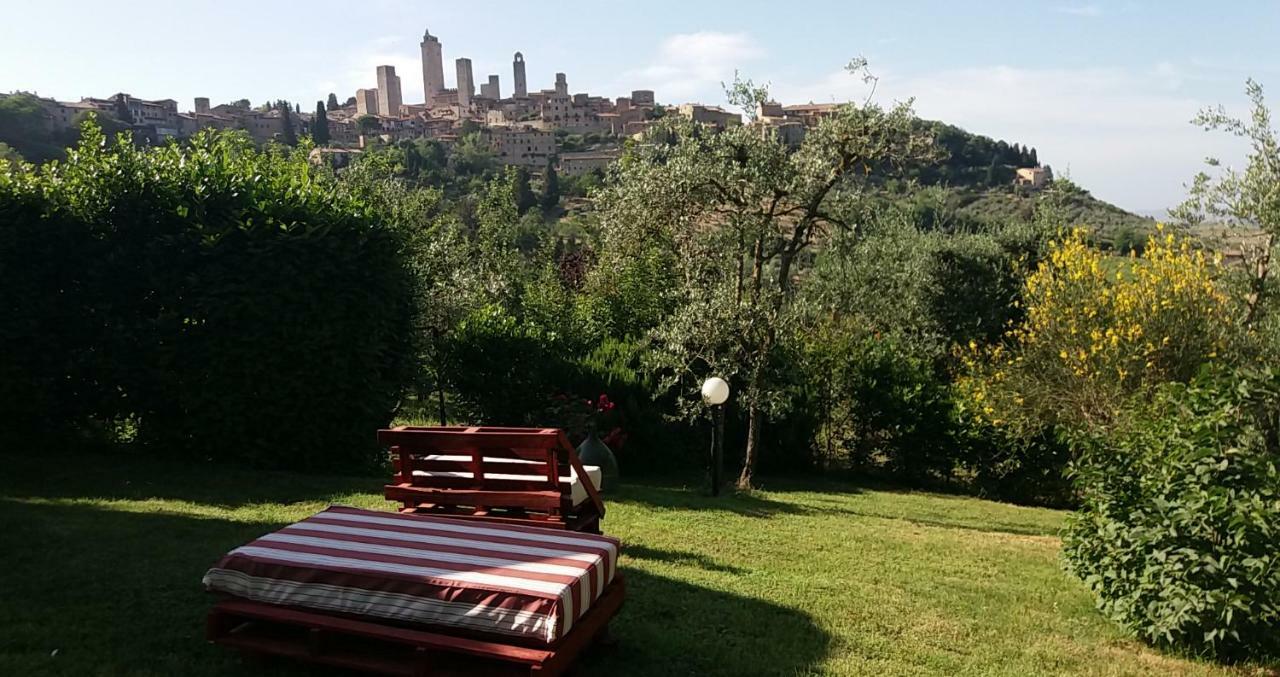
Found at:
(1104, 91)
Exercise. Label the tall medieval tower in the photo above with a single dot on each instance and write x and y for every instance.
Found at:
(466, 84)
(432, 68)
(522, 89)
(388, 92)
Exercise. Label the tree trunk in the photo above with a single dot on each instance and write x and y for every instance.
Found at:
(1259, 282)
(755, 418)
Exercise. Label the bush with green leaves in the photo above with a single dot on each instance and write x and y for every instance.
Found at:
(231, 303)
(880, 406)
(1180, 521)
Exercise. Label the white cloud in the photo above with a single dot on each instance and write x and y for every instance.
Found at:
(688, 65)
(359, 69)
(1080, 10)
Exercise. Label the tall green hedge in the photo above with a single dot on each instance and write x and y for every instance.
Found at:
(226, 303)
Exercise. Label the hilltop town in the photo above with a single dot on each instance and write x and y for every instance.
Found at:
(522, 127)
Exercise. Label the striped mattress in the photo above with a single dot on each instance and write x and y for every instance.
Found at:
(500, 579)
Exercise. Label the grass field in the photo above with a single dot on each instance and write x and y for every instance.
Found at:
(101, 559)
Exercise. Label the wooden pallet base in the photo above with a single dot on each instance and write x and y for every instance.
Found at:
(262, 629)
(585, 522)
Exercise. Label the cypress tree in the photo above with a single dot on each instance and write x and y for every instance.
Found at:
(1035, 161)
(550, 188)
(121, 110)
(290, 136)
(320, 125)
(525, 199)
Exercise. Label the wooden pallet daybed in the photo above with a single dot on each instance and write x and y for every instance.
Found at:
(528, 476)
(416, 595)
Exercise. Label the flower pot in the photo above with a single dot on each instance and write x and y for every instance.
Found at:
(593, 451)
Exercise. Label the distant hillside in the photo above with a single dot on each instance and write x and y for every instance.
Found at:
(1080, 207)
(979, 174)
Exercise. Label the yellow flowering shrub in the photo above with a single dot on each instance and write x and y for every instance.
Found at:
(1099, 328)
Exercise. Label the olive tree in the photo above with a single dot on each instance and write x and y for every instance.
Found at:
(1250, 197)
(738, 210)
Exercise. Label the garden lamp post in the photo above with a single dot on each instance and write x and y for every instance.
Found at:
(715, 392)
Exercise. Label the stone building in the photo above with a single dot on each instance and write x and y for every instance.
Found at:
(1033, 177)
(713, 116)
(432, 68)
(562, 85)
(575, 164)
(810, 113)
(389, 99)
(521, 85)
(366, 102)
(466, 84)
(158, 119)
(642, 97)
(491, 90)
(522, 145)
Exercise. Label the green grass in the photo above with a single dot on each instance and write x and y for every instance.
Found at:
(101, 559)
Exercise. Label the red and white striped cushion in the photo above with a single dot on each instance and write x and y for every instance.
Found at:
(509, 580)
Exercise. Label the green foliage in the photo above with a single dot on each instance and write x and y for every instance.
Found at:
(1062, 205)
(736, 213)
(368, 124)
(25, 131)
(228, 302)
(1177, 535)
(970, 160)
(939, 288)
(472, 156)
(881, 406)
(8, 154)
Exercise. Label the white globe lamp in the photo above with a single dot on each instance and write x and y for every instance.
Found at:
(715, 391)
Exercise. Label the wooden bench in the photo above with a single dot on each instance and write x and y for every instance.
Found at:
(529, 476)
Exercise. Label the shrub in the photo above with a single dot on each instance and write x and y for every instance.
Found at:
(228, 301)
(1097, 329)
(1022, 466)
(880, 407)
(1178, 531)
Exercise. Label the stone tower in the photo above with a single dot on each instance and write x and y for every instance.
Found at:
(202, 105)
(466, 84)
(388, 92)
(432, 68)
(562, 85)
(366, 102)
(491, 89)
(522, 89)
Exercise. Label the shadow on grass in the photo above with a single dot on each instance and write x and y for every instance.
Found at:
(94, 591)
(676, 557)
(669, 627)
(684, 498)
(90, 591)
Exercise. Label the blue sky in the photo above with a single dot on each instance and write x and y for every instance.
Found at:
(1103, 90)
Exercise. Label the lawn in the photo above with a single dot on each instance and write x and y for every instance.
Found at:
(101, 559)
